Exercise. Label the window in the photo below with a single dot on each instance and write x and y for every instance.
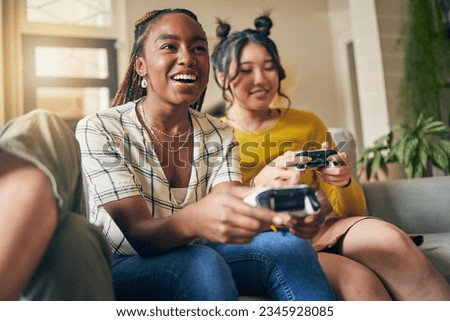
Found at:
(69, 76)
(69, 53)
(82, 12)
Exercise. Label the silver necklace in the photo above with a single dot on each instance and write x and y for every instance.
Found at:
(147, 122)
(151, 129)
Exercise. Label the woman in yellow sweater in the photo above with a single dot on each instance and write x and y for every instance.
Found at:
(364, 258)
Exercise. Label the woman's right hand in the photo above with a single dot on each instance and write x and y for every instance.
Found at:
(222, 216)
(279, 173)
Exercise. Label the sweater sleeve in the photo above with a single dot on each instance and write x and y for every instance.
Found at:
(346, 201)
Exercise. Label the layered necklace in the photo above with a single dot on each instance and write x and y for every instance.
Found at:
(153, 129)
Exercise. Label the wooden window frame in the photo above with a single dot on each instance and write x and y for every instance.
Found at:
(32, 82)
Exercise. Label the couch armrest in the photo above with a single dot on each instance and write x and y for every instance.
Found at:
(420, 205)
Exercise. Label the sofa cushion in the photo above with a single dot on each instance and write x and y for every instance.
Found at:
(436, 247)
(418, 205)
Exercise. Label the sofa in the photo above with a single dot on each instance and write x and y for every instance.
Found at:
(418, 206)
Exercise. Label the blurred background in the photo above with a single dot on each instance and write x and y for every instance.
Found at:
(346, 60)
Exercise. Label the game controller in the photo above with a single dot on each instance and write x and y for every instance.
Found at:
(318, 159)
(298, 200)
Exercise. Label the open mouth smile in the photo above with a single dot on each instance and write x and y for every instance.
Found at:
(185, 78)
(259, 92)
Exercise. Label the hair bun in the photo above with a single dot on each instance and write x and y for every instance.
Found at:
(263, 24)
(222, 29)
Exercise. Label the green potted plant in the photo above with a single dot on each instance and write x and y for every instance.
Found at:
(422, 144)
(375, 157)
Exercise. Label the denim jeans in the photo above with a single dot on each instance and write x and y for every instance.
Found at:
(279, 266)
(193, 272)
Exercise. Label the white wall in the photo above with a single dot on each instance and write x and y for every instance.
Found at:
(341, 36)
(369, 64)
(301, 31)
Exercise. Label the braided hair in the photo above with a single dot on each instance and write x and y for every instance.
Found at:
(129, 88)
(230, 48)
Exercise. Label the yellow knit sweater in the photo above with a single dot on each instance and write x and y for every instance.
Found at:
(296, 130)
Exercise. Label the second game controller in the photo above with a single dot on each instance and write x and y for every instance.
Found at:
(318, 158)
(298, 200)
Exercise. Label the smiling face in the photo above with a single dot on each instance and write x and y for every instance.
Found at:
(175, 61)
(257, 79)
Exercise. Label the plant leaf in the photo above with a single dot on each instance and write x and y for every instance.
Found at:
(410, 151)
(436, 128)
(439, 157)
(375, 164)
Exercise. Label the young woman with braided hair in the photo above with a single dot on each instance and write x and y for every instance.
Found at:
(165, 185)
(364, 259)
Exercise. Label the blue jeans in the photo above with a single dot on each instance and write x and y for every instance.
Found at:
(279, 266)
(193, 272)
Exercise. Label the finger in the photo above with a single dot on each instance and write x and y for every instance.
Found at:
(326, 145)
(289, 153)
(308, 221)
(341, 158)
(345, 161)
(335, 171)
(296, 177)
(314, 220)
(300, 160)
(251, 217)
(284, 174)
(340, 178)
(281, 219)
(289, 160)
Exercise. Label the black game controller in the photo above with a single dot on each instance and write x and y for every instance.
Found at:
(318, 159)
(298, 200)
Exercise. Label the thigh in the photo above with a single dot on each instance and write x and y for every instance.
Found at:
(279, 266)
(193, 272)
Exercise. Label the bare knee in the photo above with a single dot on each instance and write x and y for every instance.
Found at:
(376, 237)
